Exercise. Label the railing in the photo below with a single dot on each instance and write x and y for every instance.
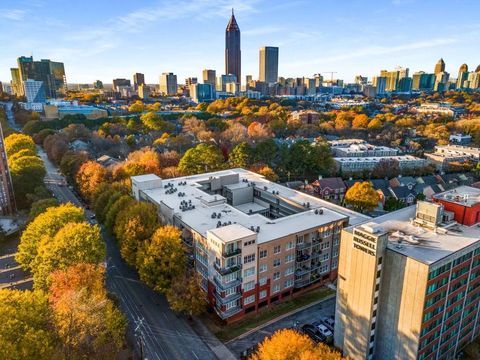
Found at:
(226, 270)
(228, 253)
(303, 245)
(228, 285)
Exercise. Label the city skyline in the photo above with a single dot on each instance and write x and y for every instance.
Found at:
(126, 40)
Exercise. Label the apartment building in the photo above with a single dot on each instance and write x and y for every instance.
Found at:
(445, 154)
(444, 109)
(254, 241)
(355, 164)
(364, 150)
(409, 284)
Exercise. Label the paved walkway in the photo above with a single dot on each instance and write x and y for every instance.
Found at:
(218, 348)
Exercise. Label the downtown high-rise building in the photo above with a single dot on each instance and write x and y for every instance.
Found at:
(268, 64)
(462, 76)
(138, 79)
(233, 56)
(439, 66)
(421, 81)
(209, 77)
(168, 84)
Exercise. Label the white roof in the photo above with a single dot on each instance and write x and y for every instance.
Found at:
(232, 232)
(146, 177)
(200, 217)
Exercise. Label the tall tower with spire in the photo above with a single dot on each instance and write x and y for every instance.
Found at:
(233, 57)
(439, 66)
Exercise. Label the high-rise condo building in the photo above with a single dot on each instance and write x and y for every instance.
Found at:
(138, 79)
(409, 281)
(34, 91)
(439, 66)
(441, 81)
(268, 61)
(422, 81)
(254, 242)
(209, 77)
(462, 76)
(168, 84)
(223, 80)
(17, 84)
(143, 91)
(233, 56)
(190, 81)
(7, 198)
(119, 83)
(201, 92)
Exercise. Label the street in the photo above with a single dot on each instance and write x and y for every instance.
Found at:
(165, 335)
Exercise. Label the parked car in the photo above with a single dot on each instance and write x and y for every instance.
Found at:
(329, 321)
(312, 332)
(323, 329)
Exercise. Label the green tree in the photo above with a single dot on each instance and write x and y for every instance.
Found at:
(115, 208)
(73, 243)
(200, 159)
(362, 196)
(46, 224)
(133, 226)
(265, 152)
(392, 204)
(162, 258)
(153, 121)
(27, 174)
(70, 164)
(307, 161)
(186, 296)
(41, 206)
(26, 331)
(102, 200)
(16, 142)
(241, 155)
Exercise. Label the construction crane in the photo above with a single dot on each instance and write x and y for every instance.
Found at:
(329, 72)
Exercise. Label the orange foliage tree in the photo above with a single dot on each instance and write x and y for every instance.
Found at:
(90, 175)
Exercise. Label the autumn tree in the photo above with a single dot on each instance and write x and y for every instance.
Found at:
(27, 174)
(264, 170)
(114, 208)
(386, 168)
(26, 331)
(258, 131)
(143, 161)
(241, 155)
(46, 224)
(90, 175)
(71, 162)
(87, 322)
(185, 294)
(360, 121)
(362, 196)
(200, 159)
(73, 243)
(292, 345)
(16, 142)
(103, 198)
(136, 107)
(133, 226)
(41, 206)
(162, 258)
(56, 146)
(153, 121)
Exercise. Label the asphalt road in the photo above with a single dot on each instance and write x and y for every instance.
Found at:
(165, 336)
(309, 315)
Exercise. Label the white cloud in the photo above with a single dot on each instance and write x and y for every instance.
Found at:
(12, 14)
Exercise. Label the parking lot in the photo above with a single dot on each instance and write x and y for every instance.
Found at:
(307, 316)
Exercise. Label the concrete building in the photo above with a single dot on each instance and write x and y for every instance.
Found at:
(460, 139)
(34, 91)
(17, 84)
(209, 77)
(58, 112)
(254, 242)
(408, 285)
(445, 109)
(445, 154)
(356, 164)
(201, 92)
(143, 91)
(268, 64)
(168, 84)
(118, 83)
(344, 143)
(305, 116)
(380, 83)
(223, 80)
(233, 55)
(138, 79)
(364, 150)
(422, 81)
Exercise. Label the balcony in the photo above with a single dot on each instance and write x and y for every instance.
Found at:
(303, 245)
(302, 283)
(303, 257)
(227, 313)
(302, 270)
(231, 252)
(228, 285)
(226, 270)
(224, 300)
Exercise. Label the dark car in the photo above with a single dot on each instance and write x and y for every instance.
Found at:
(312, 333)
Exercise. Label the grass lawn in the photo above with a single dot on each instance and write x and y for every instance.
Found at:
(250, 321)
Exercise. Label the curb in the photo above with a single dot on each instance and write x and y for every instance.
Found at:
(272, 321)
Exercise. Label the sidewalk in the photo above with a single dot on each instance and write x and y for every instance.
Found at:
(218, 348)
(293, 312)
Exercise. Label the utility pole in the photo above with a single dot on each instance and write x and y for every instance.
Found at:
(139, 337)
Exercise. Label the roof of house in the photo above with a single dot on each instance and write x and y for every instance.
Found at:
(402, 192)
(331, 183)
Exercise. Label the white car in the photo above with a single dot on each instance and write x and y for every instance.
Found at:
(325, 331)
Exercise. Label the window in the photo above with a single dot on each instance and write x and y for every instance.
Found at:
(249, 299)
(231, 277)
(263, 268)
(325, 245)
(288, 283)
(249, 258)
(276, 262)
(263, 294)
(289, 245)
(334, 264)
(276, 288)
(249, 286)
(289, 271)
(289, 258)
(250, 242)
(325, 257)
(324, 268)
(276, 275)
(249, 272)
(263, 281)
(336, 241)
(231, 291)
(263, 254)
(335, 253)
(277, 249)
(231, 304)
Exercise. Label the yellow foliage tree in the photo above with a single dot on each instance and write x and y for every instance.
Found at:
(362, 196)
(291, 345)
(16, 142)
(90, 175)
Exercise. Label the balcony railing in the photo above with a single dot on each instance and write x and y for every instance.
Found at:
(224, 300)
(226, 270)
(228, 285)
(230, 252)
(304, 245)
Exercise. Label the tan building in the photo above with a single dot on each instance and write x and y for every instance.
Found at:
(305, 117)
(254, 242)
(408, 286)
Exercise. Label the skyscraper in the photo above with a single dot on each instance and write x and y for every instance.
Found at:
(138, 79)
(233, 55)
(462, 76)
(439, 66)
(51, 73)
(168, 84)
(209, 77)
(268, 62)
(34, 91)
(17, 85)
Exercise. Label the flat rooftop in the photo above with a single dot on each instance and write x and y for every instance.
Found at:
(202, 206)
(423, 244)
(462, 195)
(377, 158)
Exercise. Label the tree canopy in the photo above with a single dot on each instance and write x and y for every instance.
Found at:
(202, 158)
(362, 196)
(16, 142)
(90, 175)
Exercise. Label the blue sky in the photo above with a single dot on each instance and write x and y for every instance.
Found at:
(104, 39)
